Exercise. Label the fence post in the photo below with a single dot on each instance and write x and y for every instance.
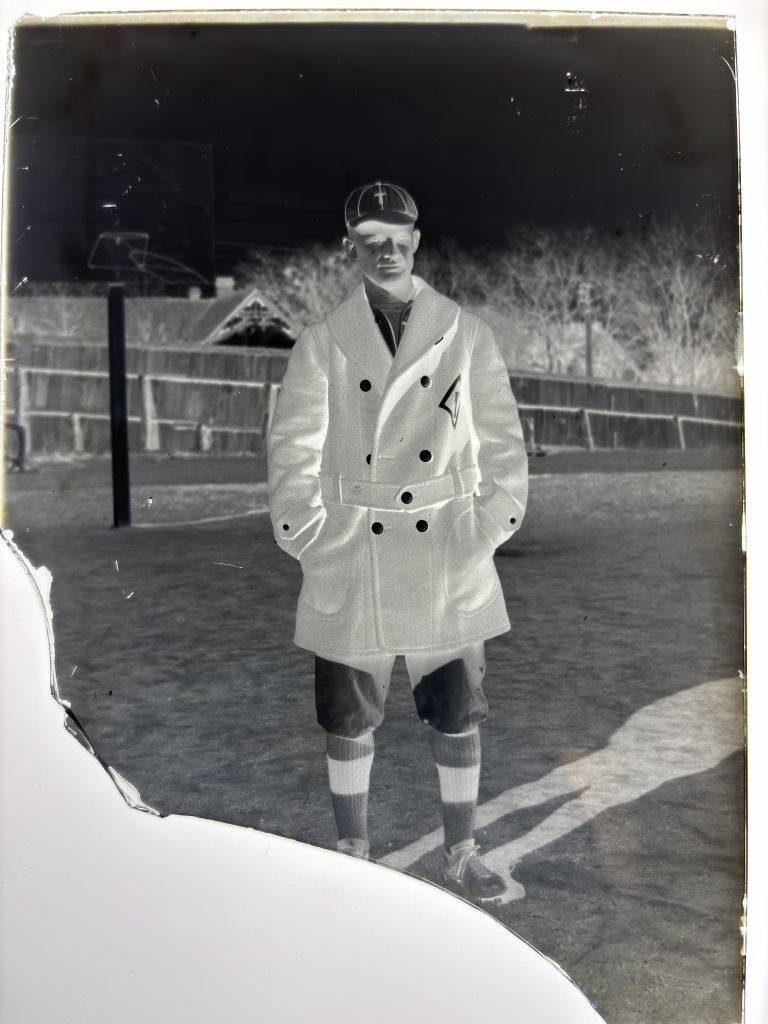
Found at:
(588, 429)
(203, 437)
(273, 392)
(21, 459)
(150, 426)
(78, 441)
(21, 405)
(529, 421)
(680, 432)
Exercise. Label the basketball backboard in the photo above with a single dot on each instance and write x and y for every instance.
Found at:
(120, 251)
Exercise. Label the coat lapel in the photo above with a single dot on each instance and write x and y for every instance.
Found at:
(430, 318)
(358, 336)
(431, 327)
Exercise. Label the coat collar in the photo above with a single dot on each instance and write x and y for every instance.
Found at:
(355, 330)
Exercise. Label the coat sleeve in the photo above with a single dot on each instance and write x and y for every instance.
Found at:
(502, 492)
(295, 447)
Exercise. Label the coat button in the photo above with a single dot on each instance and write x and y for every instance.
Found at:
(406, 497)
(422, 526)
(425, 381)
(426, 455)
(368, 458)
(377, 528)
(365, 385)
(286, 526)
(513, 520)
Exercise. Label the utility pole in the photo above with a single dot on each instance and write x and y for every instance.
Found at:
(588, 342)
(585, 307)
(118, 407)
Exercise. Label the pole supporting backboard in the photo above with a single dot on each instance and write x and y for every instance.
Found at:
(118, 407)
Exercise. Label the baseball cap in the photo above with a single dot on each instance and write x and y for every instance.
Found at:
(380, 200)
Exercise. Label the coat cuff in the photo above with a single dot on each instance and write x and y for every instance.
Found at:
(295, 530)
(500, 515)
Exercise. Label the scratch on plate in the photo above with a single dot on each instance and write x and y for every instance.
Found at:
(577, 90)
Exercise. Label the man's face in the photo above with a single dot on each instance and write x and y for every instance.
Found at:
(384, 250)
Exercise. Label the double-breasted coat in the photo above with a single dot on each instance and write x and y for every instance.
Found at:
(393, 479)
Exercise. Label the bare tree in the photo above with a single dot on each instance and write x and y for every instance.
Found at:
(544, 272)
(51, 309)
(299, 287)
(661, 306)
(161, 321)
(681, 310)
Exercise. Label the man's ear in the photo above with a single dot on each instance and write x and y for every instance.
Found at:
(416, 238)
(349, 247)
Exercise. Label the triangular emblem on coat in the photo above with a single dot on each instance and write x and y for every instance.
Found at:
(451, 401)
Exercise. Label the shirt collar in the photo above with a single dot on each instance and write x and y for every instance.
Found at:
(378, 297)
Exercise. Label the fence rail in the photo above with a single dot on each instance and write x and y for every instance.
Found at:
(21, 411)
(550, 425)
(677, 422)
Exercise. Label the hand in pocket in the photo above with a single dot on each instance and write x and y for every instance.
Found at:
(326, 564)
(470, 577)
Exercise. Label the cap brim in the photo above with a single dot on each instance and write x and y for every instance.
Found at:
(386, 216)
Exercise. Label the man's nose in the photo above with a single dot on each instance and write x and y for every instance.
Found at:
(390, 249)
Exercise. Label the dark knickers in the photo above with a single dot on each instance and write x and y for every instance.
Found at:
(447, 691)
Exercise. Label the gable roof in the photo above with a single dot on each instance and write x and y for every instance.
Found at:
(226, 315)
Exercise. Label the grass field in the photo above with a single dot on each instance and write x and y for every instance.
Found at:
(612, 776)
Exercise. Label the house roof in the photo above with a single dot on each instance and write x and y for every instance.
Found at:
(224, 316)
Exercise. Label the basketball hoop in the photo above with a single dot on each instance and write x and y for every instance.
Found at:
(120, 251)
(128, 252)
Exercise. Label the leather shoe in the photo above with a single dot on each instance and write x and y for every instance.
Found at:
(466, 872)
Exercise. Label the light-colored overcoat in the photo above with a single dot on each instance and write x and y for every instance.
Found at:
(393, 480)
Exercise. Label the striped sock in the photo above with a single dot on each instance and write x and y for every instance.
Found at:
(349, 773)
(457, 756)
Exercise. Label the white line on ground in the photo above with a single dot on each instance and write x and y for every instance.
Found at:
(684, 734)
(256, 486)
(201, 522)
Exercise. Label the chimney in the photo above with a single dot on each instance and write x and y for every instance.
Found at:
(224, 286)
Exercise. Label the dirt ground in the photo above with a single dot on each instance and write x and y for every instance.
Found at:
(624, 590)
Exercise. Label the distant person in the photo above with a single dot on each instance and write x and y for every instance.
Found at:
(396, 466)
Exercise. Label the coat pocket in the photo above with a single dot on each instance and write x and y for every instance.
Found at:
(327, 563)
(470, 577)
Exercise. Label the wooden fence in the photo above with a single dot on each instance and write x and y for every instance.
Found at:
(205, 414)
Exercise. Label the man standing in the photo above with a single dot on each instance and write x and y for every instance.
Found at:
(396, 466)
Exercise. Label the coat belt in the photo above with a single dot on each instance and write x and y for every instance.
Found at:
(457, 483)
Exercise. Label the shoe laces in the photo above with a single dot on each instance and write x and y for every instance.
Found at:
(465, 857)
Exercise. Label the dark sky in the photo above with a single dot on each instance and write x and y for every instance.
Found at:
(474, 120)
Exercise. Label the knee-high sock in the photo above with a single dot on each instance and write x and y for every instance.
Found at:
(349, 773)
(457, 756)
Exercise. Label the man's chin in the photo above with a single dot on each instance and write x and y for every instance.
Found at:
(391, 275)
